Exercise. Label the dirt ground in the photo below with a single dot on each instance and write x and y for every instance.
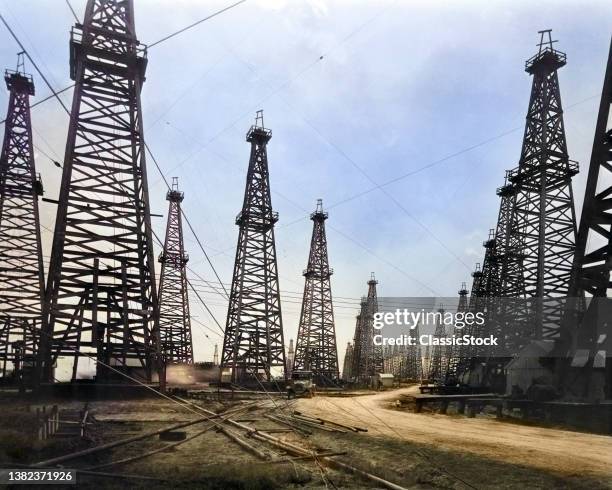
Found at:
(483, 451)
(416, 451)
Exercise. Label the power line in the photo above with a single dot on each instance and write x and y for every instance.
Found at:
(192, 287)
(55, 94)
(187, 221)
(358, 167)
(176, 33)
(382, 189)
(72, 10)
(299, 206)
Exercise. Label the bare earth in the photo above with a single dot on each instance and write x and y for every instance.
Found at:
(417, 451)
(557, 451)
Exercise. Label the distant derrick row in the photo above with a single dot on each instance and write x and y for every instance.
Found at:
(21, 264)
(540, 266)
(316, 349)
(101, 292)
(368, 358)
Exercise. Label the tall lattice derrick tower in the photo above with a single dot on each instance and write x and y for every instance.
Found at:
(488, 288)
(101, 291)
(426, 364)
(475, 303)
(484, 300)
(585, 345)
(21, 264)
(490, 275)
(253, 341)
(174, 320)
(505, 257)
(456, 353)
(396, 361)
(413, 362)
(375, 358)
(290, 358)
(360, 344)
(503, 321)
(437, 367)
(347, 365)
(316, 348)
(543, 224)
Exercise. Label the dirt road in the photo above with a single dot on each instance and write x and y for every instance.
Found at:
(556, 451)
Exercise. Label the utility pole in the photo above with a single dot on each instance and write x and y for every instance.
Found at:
(584, 367)
(316, 349)
(101, 291)
(253, 341)
(174, 318)
(543, 224)
(21, 264)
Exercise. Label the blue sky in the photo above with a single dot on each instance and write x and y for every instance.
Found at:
(402, 85)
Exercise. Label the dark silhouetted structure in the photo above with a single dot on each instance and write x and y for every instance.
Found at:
(101, 291)
(585, 347)
(21, 264)
(439, 358)
(367, 358)
(375, 358)
(253, 341)
(290, 358)
(347, 365)
(174, 318)
(458, 352)
(360, 345)
(543, 223)
(316, 348)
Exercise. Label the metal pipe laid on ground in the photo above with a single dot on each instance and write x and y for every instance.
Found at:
(244, 444)
(292, 425)
(158, 450)
(317, 424)
(354, 428)
(121, 442)
(298, 451)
